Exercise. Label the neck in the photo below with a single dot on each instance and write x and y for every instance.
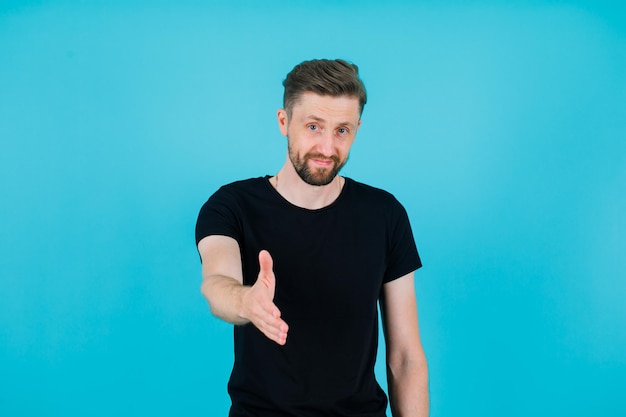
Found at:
(312, 197)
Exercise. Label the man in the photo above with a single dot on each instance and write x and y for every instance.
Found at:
(298, 262)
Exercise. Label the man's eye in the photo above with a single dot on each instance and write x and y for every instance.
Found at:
(313, 127)
(342, 130)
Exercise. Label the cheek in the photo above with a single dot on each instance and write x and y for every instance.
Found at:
(344, 147)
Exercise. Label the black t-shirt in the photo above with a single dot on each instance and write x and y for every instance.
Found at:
(330, 265)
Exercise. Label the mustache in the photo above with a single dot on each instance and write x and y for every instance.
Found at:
(319, 156)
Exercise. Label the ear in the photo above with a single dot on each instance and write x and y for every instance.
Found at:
(283, 121)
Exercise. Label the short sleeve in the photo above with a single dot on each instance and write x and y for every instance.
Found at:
(218, 216)
(403, 257)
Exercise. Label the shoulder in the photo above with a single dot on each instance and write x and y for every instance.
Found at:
(225, 210)
(243, 185)
(237, 189)
(365, 193)
(235, 195)
(375, 204)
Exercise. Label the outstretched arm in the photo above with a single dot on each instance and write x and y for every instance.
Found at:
(229, 299)
(407, 370)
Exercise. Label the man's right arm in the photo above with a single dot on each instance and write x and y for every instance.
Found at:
(229, 299)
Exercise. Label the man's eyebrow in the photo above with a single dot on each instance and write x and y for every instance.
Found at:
(316, 118)
(319, 119)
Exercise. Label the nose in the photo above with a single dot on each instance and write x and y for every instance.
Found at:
(325, 144)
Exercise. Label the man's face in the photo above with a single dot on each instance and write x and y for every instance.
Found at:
(320, 132)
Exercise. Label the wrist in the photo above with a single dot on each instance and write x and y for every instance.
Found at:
(242, 311)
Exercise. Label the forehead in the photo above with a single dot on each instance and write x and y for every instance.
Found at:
(326, 107)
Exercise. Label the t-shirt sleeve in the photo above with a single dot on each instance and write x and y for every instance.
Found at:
(218, 216)
(403, 257)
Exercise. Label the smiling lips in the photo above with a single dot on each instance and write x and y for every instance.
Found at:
(322, 160)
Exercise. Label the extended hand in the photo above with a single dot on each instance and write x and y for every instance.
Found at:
(258, 303)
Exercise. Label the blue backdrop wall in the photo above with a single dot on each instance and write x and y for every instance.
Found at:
(502, 128)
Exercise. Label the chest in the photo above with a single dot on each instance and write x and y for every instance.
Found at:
(332, 261)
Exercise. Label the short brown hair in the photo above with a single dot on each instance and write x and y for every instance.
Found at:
(325, 77)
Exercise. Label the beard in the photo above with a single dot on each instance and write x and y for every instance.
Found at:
(319, 176)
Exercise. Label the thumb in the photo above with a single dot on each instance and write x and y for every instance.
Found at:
(266, 274)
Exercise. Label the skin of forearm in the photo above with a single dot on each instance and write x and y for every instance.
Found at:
(225, 295)
(408, 390)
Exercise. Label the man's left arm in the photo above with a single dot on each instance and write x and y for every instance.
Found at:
(407, 370)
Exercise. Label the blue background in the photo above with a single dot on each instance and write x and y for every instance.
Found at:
(500, 126)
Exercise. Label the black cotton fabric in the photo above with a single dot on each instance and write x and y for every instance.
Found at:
(330, 265)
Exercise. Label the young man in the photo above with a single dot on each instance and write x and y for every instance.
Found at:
(300, 260)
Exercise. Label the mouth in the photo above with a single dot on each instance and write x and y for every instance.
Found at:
(322, 162)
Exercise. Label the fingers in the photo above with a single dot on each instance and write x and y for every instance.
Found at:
(259, 302)
(274, 328)
(267, 318)
(266, 274)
